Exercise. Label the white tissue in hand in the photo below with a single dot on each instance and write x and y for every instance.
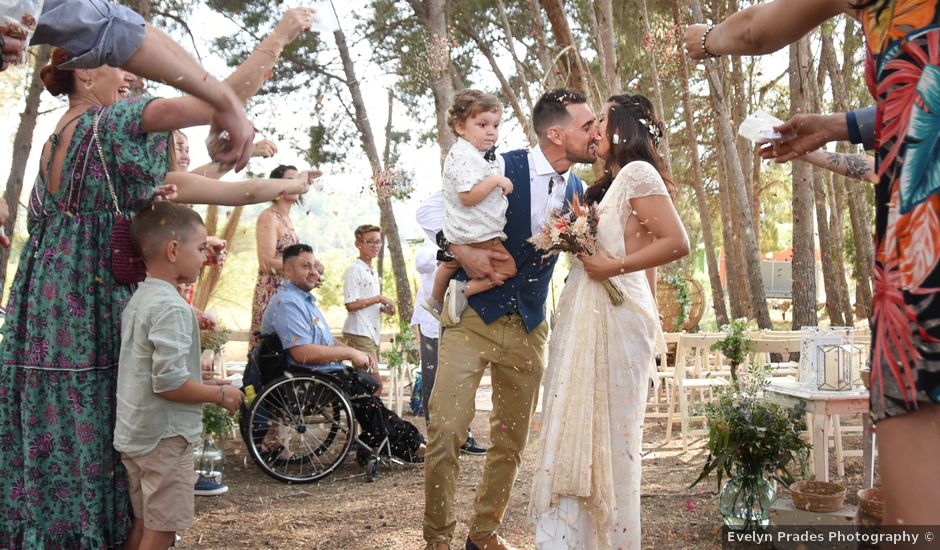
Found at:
(324, 19)
(759, 127)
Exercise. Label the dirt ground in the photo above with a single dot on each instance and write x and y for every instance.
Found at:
(346, 512)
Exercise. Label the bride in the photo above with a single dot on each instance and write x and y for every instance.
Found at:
(586, 492)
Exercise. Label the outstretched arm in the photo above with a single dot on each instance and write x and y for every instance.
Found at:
(263, 148)
(762, 28)
(195, 189)
(855, 166)
(163, 115)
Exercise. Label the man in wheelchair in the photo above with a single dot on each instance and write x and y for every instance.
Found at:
(302, 331)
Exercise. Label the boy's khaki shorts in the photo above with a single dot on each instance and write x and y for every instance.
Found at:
(160, 484)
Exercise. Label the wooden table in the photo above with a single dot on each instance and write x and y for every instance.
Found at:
(823, 405)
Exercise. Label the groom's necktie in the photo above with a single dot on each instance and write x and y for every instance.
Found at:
(554, 182)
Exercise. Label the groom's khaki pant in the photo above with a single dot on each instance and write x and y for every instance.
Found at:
(516, 358)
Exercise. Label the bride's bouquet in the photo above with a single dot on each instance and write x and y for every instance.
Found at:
(573, 231)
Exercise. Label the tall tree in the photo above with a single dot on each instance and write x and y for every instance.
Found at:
(855, 199)
(758, 300)
(432, 15)
(380, 174)
(511, 43)
(833, 277)
(804, 258)
(506, 87)
(708, 237)
(657, 89)
(210, 276)
(576, 75)
(22, 145)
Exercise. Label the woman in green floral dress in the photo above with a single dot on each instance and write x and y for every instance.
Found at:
(62, 484)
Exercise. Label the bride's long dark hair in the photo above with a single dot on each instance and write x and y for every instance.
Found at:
(633, 133)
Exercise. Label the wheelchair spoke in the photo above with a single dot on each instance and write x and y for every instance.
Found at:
(301, 429)
(281, 404)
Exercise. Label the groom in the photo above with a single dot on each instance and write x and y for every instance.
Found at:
(503, 327)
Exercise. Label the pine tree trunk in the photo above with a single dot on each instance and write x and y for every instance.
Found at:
(594, 30)
(511, 41)
(804, 258)
(833, 295)
(487, 51)
(608, 37)
(209, 278)
(22, 145)
(549, 80)
(758, 301)
(745, 148)
(386, 215)
(432, 15)
(576, 75)
(657, 89)
(734, 276)
(824, 201)
(859, 212)
(708, 237)
(837, 192)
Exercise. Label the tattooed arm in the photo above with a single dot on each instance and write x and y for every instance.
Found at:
(850, 165)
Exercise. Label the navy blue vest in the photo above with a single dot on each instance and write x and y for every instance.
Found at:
(527, 291)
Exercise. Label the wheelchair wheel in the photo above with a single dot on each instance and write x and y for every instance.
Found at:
(299, 428)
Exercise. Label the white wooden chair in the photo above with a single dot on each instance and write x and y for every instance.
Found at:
(788, 342)
(765, 346)
(697, 371)
(861, 338)
(661, 395)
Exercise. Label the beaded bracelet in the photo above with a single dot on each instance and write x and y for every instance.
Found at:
(704, 37)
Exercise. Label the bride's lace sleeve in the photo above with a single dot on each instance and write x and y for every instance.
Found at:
(640, 179)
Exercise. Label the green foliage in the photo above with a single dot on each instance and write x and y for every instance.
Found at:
(216, 421)
(735, 345)
(751, 436)
(677, 282)
(404, 350)
(214, 339)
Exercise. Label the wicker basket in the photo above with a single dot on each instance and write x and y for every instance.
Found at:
(817, 496)
(670, 308)
(871, 502)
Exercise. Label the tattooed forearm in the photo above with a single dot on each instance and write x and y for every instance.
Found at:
(859, 167)
(833, 161)
(856, 166)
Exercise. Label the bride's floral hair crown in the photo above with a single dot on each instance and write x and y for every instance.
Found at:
(642, 112)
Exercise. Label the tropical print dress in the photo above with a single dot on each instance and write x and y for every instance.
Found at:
(903, 74)
(268, 283)
(62, 485)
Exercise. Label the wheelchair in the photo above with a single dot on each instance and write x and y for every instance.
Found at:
(302, 423)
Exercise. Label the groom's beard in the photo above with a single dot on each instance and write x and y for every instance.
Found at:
(583, 156)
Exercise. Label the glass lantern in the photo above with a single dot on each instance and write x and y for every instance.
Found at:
(835, 365)
(209, 460)
(812, 360)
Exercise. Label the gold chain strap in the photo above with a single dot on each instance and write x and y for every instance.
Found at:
(104, 164)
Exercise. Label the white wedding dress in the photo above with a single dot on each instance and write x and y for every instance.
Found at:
(586, 491)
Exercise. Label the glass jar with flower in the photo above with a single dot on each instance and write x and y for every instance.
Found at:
(749, 440)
